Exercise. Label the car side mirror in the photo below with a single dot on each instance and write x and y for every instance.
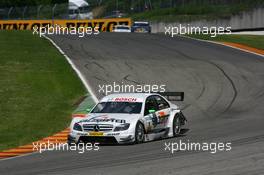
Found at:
(151, 111)
(88, 110)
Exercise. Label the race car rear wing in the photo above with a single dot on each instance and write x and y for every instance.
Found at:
(173, 96)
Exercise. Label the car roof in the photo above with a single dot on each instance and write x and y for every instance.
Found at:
(140, 96)
(121, 26)
(142, 22)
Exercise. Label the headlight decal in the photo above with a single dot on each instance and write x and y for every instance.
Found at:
(122, 127)
(77, 127)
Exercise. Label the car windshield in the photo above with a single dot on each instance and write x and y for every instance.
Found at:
(122, 27)
(141, 24)
(118, 107)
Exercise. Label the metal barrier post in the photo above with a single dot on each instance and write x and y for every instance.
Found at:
(24, 11)
(39, 7)
(9, 11)
(53, 11)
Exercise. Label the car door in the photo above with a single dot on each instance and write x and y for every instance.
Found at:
(150, 119)
(156, 113)
(163, 111)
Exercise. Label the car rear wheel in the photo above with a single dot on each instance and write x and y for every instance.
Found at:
(176, 125)
(139, 133)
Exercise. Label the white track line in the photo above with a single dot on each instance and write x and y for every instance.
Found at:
(214, 42)
(86, 84)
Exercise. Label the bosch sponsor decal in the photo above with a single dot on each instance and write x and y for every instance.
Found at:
(101, 24)
(125, 99)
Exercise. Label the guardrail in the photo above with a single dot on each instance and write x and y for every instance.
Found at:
(103, 25)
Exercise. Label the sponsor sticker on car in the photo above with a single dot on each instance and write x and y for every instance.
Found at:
(140, 30)
(93, 133)
(125, 99)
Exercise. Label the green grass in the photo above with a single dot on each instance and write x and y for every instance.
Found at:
(37, 89)
(184, 13)
(256, 41)
(192, 11)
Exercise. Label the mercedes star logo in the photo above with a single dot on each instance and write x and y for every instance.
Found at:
(96, 128)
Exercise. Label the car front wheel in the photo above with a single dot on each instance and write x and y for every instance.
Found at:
(176, 126)
(139, 133)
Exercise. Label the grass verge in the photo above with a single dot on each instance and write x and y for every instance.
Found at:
(197, 11)
(37, 89)
(256, 41)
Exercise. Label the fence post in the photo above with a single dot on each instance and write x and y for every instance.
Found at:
(24, 11)
(39, 7)
(116, 6)
(9, 11)
(53, 11)
(150, 5)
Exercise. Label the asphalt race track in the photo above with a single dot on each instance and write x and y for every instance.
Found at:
(224, 90)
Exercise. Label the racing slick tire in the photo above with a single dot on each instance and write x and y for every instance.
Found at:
(139, 133)
(71, 142)
(176, 125)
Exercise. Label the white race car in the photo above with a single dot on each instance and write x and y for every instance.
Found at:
(122, 28)
(128, 118)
